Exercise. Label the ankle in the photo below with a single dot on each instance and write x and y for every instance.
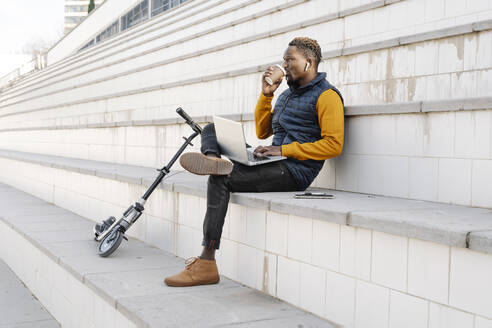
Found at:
(212, 154)
(208, 254)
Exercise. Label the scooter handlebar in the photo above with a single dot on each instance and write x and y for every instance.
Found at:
(189, 120)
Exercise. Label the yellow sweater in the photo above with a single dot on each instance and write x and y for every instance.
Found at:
(329, 108)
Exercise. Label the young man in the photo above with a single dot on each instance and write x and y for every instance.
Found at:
(307, 124)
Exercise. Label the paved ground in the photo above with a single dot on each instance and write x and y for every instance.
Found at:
(18, 307)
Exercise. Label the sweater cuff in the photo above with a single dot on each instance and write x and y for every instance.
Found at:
(265, 102)
(287, 150)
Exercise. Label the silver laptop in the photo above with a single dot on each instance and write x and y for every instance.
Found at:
(230, 136)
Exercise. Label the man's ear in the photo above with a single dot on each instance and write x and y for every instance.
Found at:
(309, 63)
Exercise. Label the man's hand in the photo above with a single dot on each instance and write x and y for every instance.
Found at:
(262, 151)
(266, 88)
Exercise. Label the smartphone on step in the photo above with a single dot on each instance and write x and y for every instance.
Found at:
(314, 195)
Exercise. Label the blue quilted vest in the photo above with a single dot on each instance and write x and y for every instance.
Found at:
(295, 119)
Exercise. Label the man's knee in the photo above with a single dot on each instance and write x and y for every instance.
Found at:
(217, 181)
(208, 129)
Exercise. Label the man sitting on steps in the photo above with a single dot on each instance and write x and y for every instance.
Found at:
(307, 124)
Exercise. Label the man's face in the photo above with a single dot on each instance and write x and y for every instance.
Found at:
(294, 64)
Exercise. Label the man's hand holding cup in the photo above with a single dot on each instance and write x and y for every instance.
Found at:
(271, 79)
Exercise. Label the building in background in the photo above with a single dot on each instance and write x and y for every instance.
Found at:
(75, 11)
(137, 14)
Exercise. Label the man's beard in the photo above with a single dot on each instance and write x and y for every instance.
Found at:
(293, 83)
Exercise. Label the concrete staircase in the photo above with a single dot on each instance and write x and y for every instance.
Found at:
(405, 243)
(82, 289)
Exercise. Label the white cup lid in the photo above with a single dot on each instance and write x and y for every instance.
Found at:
(281, 68)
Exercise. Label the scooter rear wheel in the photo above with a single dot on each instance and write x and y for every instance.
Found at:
(111, 242)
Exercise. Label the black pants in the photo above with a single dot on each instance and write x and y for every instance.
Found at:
(261, 178)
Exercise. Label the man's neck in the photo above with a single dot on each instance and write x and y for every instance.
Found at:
(308, 78)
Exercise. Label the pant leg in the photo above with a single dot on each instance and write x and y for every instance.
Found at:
(209, 140)
(262, 178)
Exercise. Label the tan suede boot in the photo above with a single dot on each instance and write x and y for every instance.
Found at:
(200, 164)
(197, 272)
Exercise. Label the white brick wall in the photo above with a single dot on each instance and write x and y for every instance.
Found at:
(437, 156)
(227, 258)
(238, 223)
(445, 317)
(477, 51)
(160, 233)
(326, 245)
(187, 241)
(312, 286)
(299, 237)
(255, 227)
(470, 285)
(427, 57)
(389, 260)
(288, 280)
(481, 182)
(451, 55)
(482, 323)
(372, 306)
(455, 181)
(191, 210)
(473, 135)
(355, 252)
(277, 233)
(250, 263)
(347, 172)
(407, 311)
(438, 134)
(340, 299)
(428, 270)
(423, 178)
(270, 274)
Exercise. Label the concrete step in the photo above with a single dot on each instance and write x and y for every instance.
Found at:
(453, 225)
(82, 289)
(18, 307)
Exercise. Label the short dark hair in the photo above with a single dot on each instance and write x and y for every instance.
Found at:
(309, 48)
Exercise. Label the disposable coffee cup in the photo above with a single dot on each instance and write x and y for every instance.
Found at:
(277, 74)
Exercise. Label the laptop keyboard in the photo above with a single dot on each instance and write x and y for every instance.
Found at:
(253, 158)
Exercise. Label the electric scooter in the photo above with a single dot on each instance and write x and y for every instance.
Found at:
(110, 232)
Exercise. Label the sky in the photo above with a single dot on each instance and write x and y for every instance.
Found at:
(27, 21)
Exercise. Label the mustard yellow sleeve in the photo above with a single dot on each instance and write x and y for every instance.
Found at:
(331, 121)
(263, 117)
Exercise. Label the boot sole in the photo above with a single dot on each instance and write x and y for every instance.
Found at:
(200, 164)
(192, 283)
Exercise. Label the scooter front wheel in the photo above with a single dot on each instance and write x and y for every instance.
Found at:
(111, 242)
